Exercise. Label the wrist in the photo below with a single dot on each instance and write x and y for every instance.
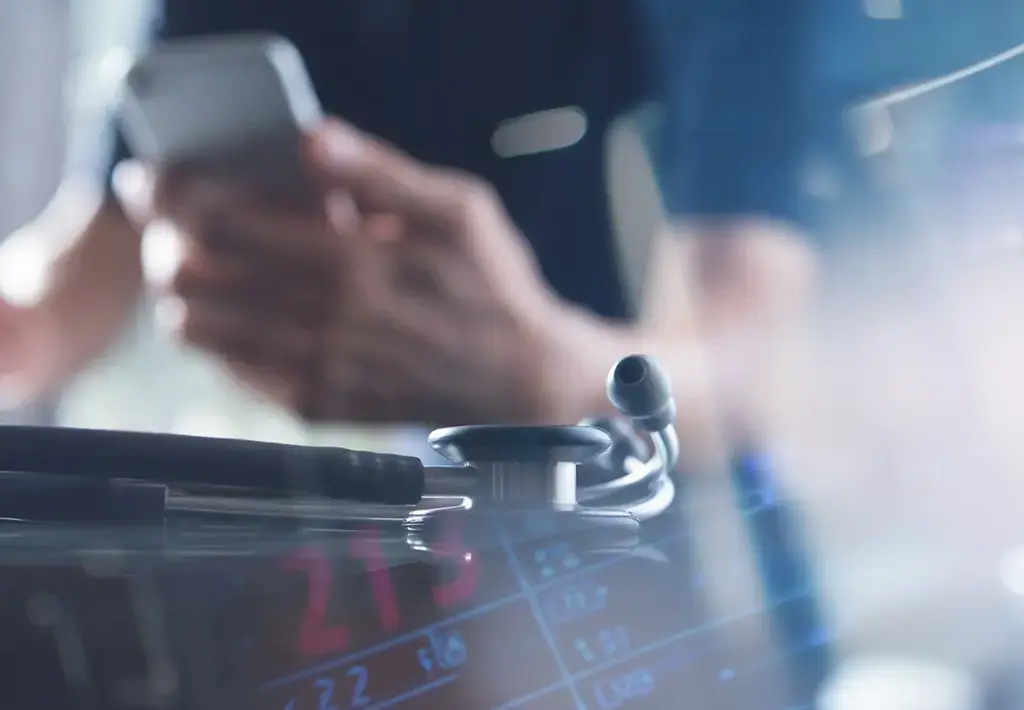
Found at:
(578, 349)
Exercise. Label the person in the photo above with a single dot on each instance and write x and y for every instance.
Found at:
(446, 283)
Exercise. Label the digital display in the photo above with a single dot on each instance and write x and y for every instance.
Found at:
(357, 621)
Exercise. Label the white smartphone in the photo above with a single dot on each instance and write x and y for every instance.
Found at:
(233, 107)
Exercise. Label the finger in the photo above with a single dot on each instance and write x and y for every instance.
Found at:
(174, 265)
(241, 335)
(195, 202)
(134, 185)
(281, 239)
(163, 251)
(382, 228)
(174, 262)
(277, 247)
(229, 219)
(247, 287)
(382, 179)
(145, 193)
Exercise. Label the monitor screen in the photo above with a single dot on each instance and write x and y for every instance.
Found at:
(199, 616)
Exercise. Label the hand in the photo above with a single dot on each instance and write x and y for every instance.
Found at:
(409, 297)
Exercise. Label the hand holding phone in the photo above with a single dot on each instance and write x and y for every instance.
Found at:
(232, 108)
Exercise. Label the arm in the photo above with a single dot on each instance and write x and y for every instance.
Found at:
(733, 264)
(85, 254)
(741, 105)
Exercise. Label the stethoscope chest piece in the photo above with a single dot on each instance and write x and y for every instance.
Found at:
(523, 489)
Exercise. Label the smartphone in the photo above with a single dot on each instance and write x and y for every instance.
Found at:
(231, 107)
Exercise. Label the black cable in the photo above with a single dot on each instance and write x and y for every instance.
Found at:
(76, 499)
(177, 460)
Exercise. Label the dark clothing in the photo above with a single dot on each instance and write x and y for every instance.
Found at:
(729, 80)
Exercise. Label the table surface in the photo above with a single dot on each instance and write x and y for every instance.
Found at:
(909, 569)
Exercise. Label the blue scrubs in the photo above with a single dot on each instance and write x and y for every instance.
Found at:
(730, 79)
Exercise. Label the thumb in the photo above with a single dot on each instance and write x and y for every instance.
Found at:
(382, 179)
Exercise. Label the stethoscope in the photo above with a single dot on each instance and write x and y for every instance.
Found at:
(521, 481)
(510, 480)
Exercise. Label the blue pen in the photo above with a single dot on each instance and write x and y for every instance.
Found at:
(785, 569)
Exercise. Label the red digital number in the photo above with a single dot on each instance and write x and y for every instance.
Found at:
(314, 637)
(367, 548)
(317, 639)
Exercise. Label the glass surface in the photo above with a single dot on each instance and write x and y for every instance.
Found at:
(214, 617)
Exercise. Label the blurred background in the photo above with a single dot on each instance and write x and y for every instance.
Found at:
(919, 559)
